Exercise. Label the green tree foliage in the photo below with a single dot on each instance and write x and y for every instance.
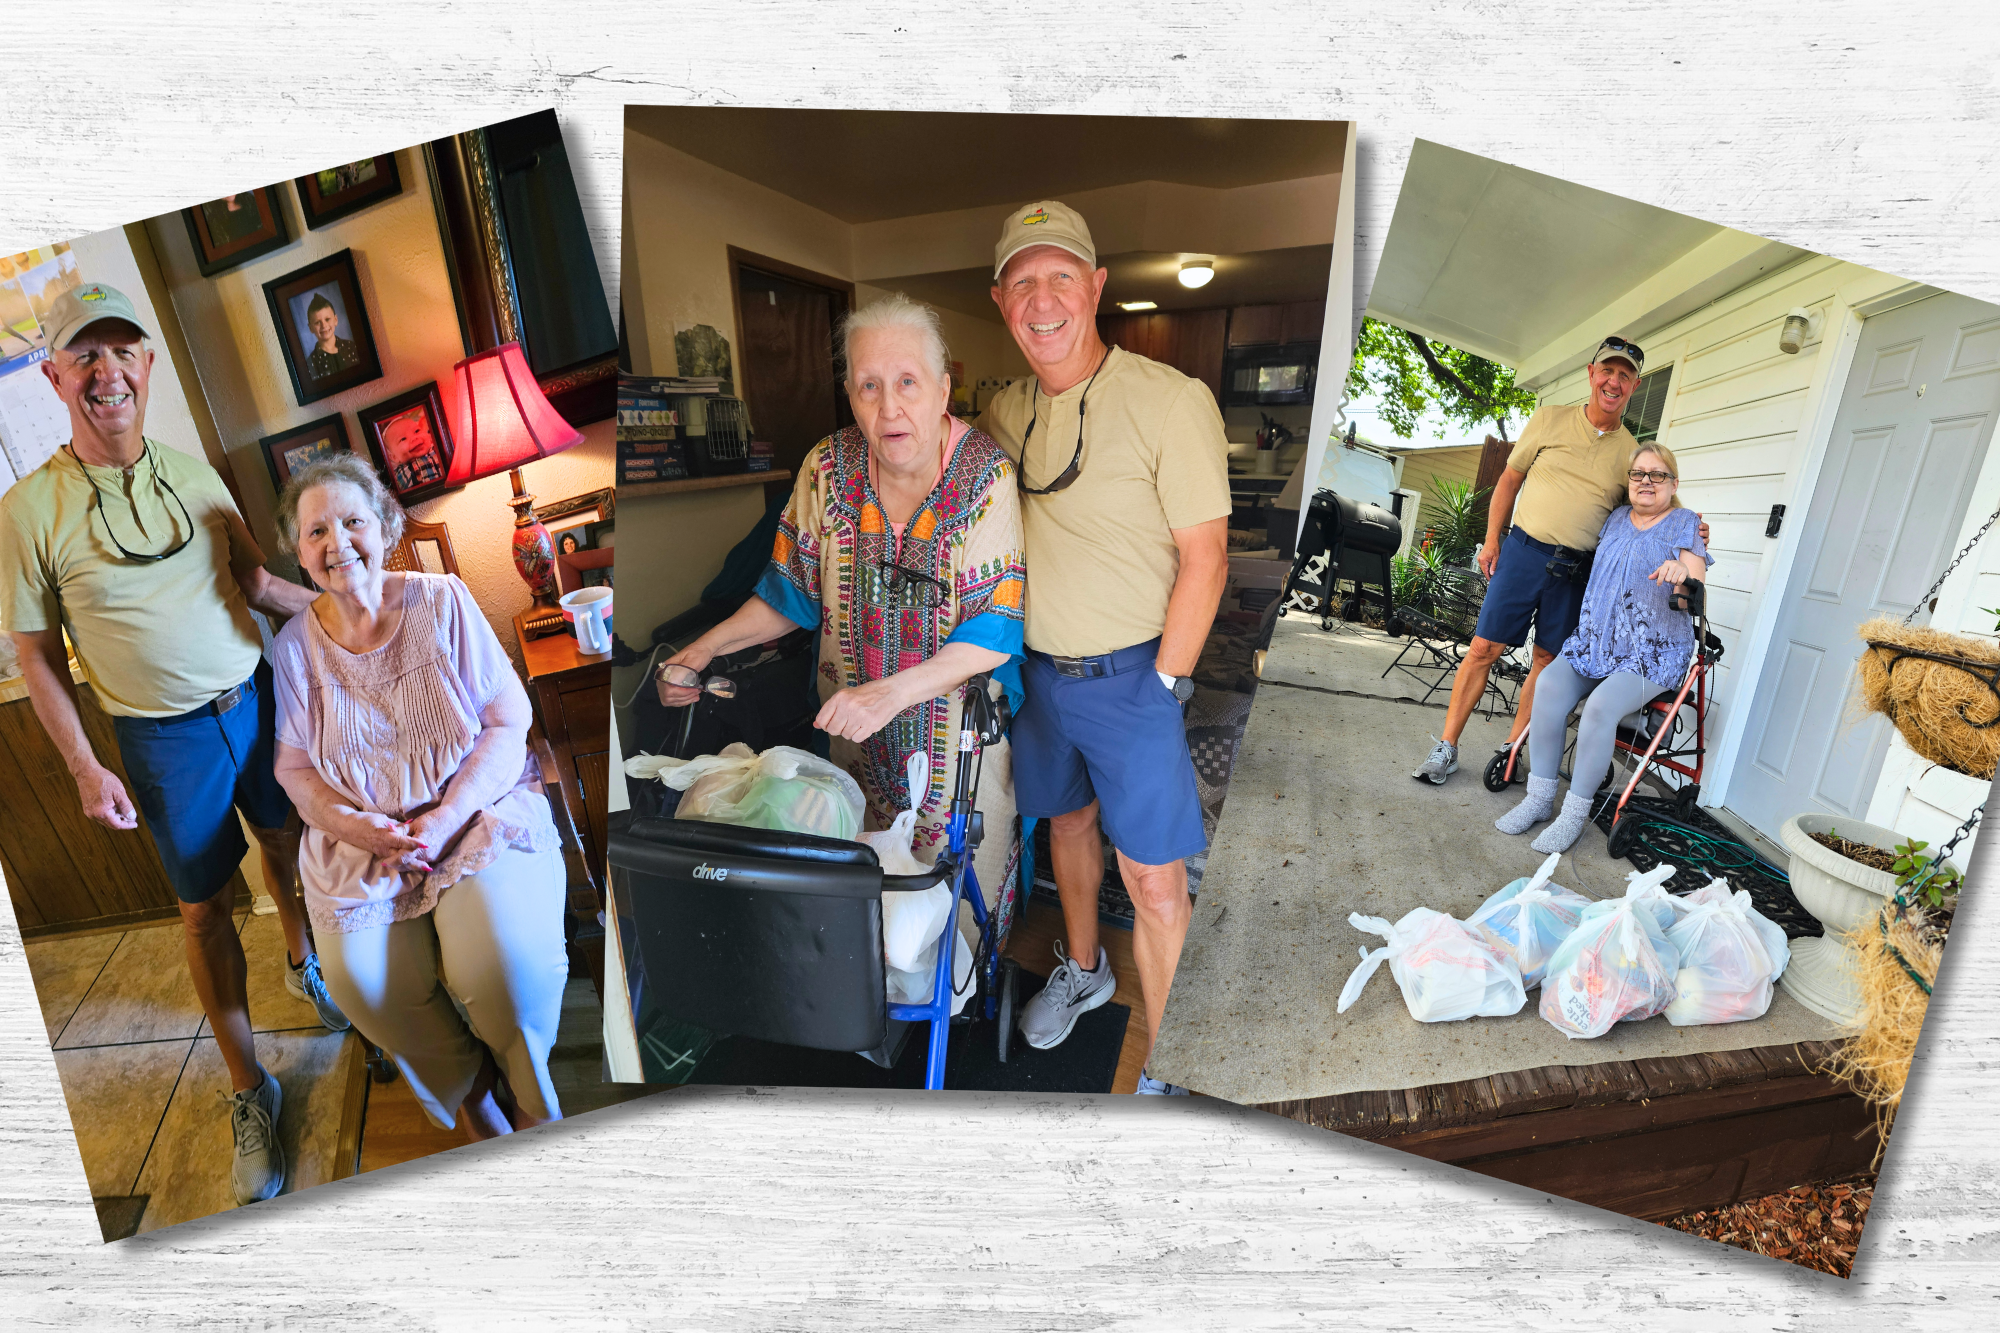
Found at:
(1410, 375)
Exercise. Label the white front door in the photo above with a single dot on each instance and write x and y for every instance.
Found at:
(1912, 429)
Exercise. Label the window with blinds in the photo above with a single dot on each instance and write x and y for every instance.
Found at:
(1648, 405)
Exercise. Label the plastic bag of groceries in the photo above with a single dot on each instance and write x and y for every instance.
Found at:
(1651, 886)
(911, 922)
(1731, 954)
(1448, 970)
(782, 788)
(1617, 964)
(1531, 917)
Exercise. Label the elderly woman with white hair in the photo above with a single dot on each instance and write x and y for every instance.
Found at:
(431, 866)
(902, 546)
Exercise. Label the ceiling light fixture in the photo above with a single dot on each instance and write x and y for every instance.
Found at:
(1198, 271)
(1138, 305)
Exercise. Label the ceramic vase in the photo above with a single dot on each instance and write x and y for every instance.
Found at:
(1841, 894)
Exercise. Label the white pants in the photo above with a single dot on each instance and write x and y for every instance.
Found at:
(493, 949)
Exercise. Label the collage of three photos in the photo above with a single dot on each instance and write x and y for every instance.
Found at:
(1537, 720)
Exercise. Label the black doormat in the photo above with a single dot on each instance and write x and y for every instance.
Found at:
(1086, 1062)
(1700, 848)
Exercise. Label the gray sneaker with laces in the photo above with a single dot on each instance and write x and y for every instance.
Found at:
(258, 1171)
(1443, 762)
(305, 983)
(1046, 1020)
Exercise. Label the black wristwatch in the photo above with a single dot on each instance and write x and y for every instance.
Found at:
(1183, 688)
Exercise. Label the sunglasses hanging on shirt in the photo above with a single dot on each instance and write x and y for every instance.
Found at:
(1068, 474)
(158, 480)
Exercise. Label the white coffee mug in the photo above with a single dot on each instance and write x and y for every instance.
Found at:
(589, 610)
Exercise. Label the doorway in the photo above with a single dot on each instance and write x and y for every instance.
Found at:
(1912, 429)
(786, 318)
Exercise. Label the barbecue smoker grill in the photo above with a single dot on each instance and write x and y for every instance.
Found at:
(1356, 540)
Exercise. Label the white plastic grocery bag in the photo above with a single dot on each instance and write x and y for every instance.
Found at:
(1730, 954)
(1617, 964)
(1531, 917)
(1651, 886)
(782, 788)
(1447, 969)
(911, 922)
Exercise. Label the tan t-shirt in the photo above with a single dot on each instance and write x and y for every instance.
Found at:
(1576, 476)
(1101, 553)
(154, 638)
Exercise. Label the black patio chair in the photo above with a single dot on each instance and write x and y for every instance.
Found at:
(1435, 641)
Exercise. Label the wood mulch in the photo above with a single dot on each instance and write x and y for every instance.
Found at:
(1816, 1226)
(1873, 857)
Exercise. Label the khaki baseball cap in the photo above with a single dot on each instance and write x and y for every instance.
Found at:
(1615, 348)
(1044, 223)
(77, 309)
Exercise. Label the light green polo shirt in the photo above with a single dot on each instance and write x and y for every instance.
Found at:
(154, 638)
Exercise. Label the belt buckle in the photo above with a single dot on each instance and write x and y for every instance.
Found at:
(228, 699)
(1077, 668)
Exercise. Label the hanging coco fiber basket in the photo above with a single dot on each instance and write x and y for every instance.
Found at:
(1891, 950)
(1947, 713)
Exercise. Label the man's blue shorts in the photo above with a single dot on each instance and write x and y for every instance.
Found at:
(1118, 739)
(1523, 590)
(190, 774)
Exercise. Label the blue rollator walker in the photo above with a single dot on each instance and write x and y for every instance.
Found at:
(776, 935)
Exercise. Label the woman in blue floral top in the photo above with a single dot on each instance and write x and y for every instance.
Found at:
(1629, 645)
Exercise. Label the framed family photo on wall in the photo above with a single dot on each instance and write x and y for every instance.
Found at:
(235, 229)
(327, 196)
(290, 450)
(322, 324)
(409, 441)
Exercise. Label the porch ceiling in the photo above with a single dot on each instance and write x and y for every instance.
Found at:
(1531, 271)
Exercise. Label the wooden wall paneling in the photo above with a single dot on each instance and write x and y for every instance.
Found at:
(1303, 321)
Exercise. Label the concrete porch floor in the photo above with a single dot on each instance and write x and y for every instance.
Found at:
(1323, 819)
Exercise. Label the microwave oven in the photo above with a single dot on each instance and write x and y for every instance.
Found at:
(1270, 376)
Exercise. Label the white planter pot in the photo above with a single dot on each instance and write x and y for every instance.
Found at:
(1841, 894)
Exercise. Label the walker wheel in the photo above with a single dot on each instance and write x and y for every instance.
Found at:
(1394, 628)
(1496, 769)
(1685, 801)
(1010, 972)
(1624, 834)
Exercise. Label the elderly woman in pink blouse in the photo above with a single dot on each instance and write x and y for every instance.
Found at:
(430, 862)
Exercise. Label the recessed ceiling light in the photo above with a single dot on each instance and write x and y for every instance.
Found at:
(1197, 272)
(1138, 305)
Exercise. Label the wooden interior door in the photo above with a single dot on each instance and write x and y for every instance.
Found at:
(786, 318)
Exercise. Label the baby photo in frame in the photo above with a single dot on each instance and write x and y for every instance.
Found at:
(409, 441)
(322, 324)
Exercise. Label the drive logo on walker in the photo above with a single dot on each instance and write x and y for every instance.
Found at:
(707, 871)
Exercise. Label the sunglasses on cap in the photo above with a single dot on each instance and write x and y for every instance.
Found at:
(1622, 348)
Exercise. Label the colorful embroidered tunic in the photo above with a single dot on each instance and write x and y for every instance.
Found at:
(833, 567)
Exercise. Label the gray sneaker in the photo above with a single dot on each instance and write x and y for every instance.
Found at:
(305, 983)
(1158, 1087)
(1046, 1020)
(1442, 763)
(258, 1171)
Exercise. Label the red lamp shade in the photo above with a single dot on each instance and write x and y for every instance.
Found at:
(503, 419)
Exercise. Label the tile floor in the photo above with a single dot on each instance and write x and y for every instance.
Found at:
(146, 1086)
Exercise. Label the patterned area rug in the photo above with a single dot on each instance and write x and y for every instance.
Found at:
(1225, 685)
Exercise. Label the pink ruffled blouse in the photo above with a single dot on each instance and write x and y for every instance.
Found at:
(388, 730)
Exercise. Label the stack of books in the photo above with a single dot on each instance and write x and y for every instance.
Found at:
(649, 436)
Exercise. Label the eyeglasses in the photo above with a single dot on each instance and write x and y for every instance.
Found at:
(1657, 478)
(687, 678)
(912, 588)
(1068, 474)
(158, 480)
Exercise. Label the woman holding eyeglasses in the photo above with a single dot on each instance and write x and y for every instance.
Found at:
(902, 546)
(1629, 645)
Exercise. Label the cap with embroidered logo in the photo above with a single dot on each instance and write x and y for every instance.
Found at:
(1620, 350)
(1043, 223)
(80, 307)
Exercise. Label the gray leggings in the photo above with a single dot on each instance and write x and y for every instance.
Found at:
(1557, 690)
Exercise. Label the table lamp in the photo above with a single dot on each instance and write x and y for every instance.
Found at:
(504, 423)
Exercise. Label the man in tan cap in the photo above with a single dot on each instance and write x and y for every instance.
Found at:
(139, 552)
(1125, 509)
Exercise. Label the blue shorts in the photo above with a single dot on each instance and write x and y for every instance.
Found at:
(190, 774)
(1523, 590)
(1117, 739)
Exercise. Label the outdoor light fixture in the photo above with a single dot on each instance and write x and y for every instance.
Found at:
(1801, 324)
(1198, 272)
(1141, 305)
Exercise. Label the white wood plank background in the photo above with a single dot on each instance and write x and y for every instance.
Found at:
(1863, 130)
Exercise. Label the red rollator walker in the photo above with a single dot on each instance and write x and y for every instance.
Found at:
(1667, 736)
